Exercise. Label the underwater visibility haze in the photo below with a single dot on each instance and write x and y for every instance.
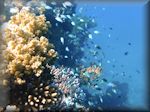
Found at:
(72, 55)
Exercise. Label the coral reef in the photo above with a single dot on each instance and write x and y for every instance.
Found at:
(65, 78)
(37, 83)
(27, 52)
(41, 97)
(68, 82)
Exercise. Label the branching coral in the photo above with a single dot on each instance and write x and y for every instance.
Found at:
(27, 50)
(36, 94)
(26, 22)
(43, 97)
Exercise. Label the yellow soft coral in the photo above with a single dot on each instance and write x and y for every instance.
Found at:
(27, 49)
(27, 25)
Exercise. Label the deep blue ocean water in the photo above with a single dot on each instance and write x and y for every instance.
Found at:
(122, 37)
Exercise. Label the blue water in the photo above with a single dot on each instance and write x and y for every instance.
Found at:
(122, 37)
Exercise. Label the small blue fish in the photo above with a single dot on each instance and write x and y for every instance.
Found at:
(101, 99)
(111, 84)
(65, 56)
(68, 16)
(59, 19)
(80, 10)
(67, 49)
(90, 36)
(67, 4)
(62, 40)
(96, 32)
(79, 28)
(81, 20)
(73, 23)
(90, 103)
(53, 3)
(114, 91)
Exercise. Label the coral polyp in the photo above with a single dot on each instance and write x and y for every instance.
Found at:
(42, 97)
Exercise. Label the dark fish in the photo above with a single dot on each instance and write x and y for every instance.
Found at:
(137, 71)
(92, 42)
(129, 43)
(105, 80)
(119, 96)
(98, 89)
(95, 85)
(97, 46)
(113, 66)
(129, 76)
(126, 53)
(85, 57)
(99, 60)
(123, 73)
(110, 28)
(97, 80)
